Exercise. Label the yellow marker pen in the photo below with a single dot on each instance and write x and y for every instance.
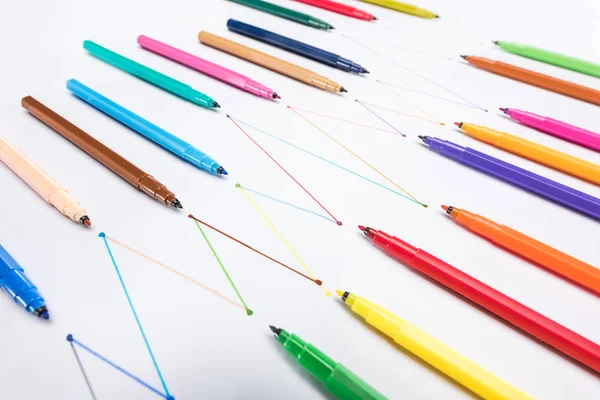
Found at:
(437, 354)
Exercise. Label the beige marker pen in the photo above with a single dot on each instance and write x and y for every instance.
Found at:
(43, 184)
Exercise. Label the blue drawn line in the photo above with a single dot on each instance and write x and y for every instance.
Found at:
(137, 320)
(289, 204)
(72, 340)
(375, 114)
(327, 161)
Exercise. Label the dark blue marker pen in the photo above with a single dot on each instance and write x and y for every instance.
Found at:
(19, 287)
(294, 46)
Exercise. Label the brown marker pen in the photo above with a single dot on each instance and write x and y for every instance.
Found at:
(120, 166)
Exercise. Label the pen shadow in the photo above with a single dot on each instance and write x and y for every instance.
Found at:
(413, 357)
(584, 367)
(301, 371)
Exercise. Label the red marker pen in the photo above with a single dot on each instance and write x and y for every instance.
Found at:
(523, 317)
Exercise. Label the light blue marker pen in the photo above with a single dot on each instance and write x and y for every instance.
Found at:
(158, 135)
(14, 281)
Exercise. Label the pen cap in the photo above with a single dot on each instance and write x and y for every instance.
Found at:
(344, 384)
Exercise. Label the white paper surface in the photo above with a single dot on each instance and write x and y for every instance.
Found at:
(205, 347)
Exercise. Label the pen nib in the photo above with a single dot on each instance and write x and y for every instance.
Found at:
(176, 204)
(343, 90)
(276, 331)
(216, 105)
(464, 57)
(423, 138)
(85, 220)
(276, 96)
(222, 171)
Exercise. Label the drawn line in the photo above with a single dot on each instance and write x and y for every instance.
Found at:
(327, 293)
(349, 122)
(87, 381)
(410, 102)
(137, 320)
(435, 54)
(327, 161)
(415, 73)
(337, 221)
(173, 270)
(429, 94)
(375, 114)
(357, 156)
(317, 281)
(72, 340)
(248, 311)
(289, 204)
(403, 113)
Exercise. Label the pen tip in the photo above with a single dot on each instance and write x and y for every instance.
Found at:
(362, 228)
(276, 331)
(176, 204)
(340, 292)
(331, 27)
(222, 171)
(216, 105)
(85, 220)
(365, 71)
(343, 90)
(445, 208)
(464, 57)
(437, 16)
(496, 42)
(504, 110)
(423, 138)
(45, 315)
(459, 124)
(374, 18)
(42, 312)
(276, 96)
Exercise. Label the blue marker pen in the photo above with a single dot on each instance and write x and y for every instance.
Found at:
(19, 287)
(294, 46)
(158, 135)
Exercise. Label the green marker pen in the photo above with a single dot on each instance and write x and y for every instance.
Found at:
(149, 75)
(549, 57)
(336, 378)
(286, 13)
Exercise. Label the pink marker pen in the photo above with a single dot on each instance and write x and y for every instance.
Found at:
(206, 67)
(556, 128)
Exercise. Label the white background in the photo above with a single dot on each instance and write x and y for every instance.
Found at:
(205, 347)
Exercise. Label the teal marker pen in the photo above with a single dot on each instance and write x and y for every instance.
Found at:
(149, 75)
(158, 135)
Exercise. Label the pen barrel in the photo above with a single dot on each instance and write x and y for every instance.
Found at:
(286, 44)
(535, 251)
(346, 385)
(147, 74)
(256, 57)
(144, 127)
(29, 172)
(524, 318)
(519, 177)
(197, 63)
(85, 142)
(338, 8)
(454, 365)
(274, 9)
(532, 151)
(402, 7)
(540, 80)
(568, 132)
(14, 281)
(560, 60)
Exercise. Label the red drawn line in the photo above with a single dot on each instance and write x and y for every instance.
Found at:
(337, 221)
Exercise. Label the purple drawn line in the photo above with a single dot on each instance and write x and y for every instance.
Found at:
(375, 114)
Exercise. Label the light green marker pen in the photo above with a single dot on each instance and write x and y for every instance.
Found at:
(336, 378)
(149, 75)
(548, 57)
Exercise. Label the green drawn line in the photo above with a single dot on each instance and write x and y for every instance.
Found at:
(248, 311)
(327, 161)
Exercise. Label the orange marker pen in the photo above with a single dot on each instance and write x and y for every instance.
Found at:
(548, 257)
